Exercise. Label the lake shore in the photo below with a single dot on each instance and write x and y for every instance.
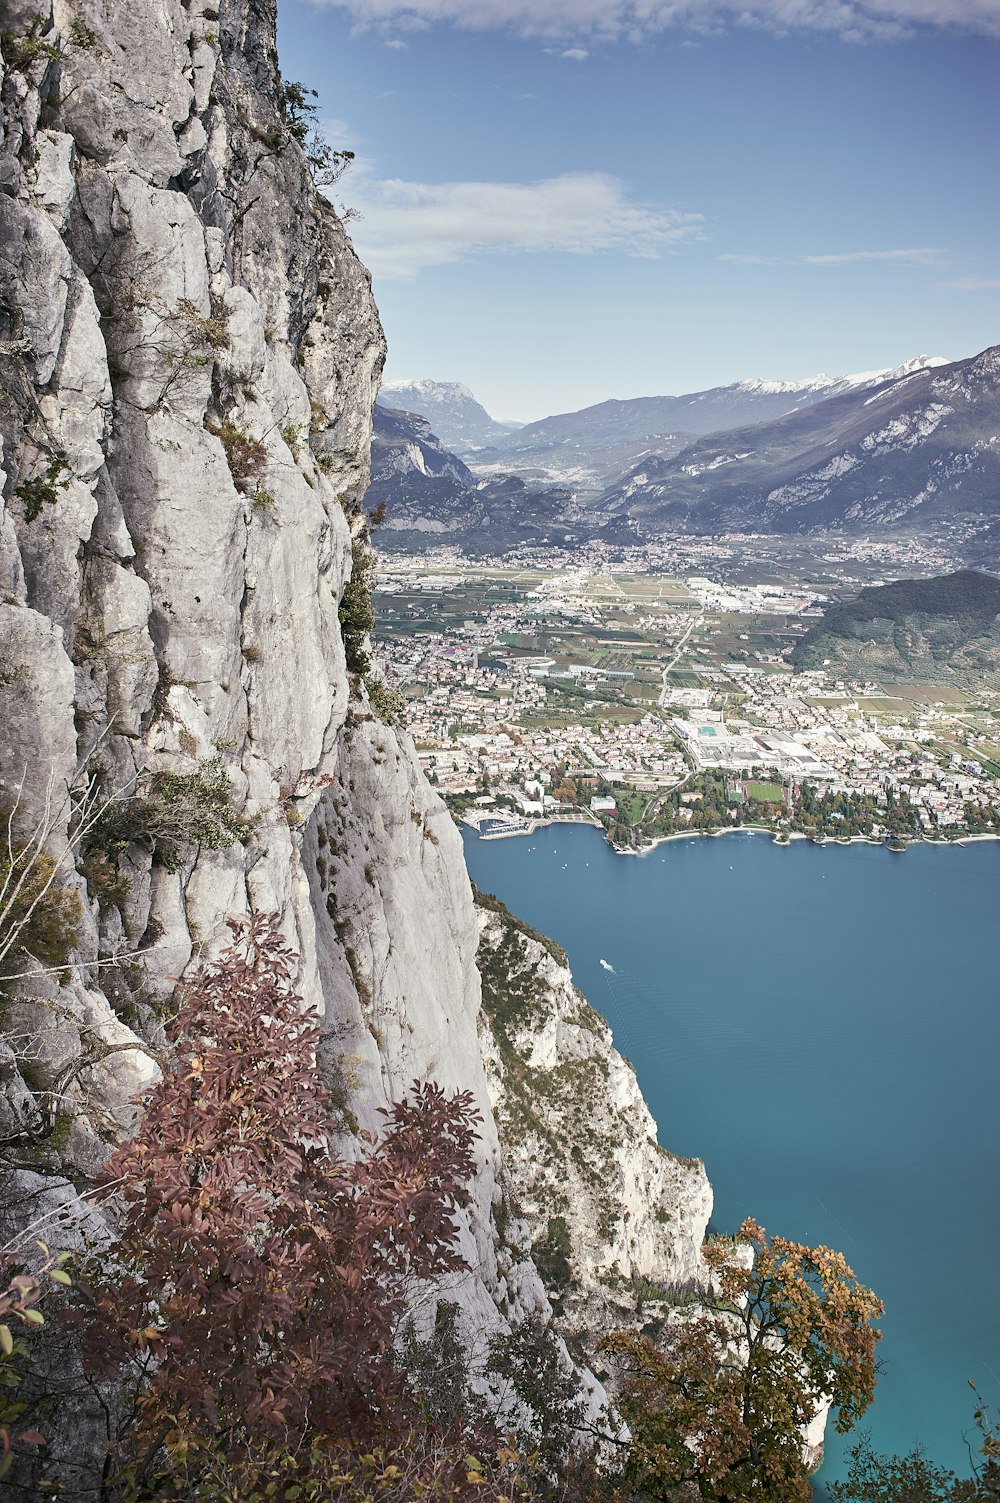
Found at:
(778, 837)
(787, 837)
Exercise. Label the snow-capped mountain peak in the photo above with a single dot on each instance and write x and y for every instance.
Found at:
(832, 385)
(427, 388)
(459, 421)
(908, 368)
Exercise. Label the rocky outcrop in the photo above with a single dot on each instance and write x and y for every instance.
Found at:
(189, 355)
(617, 1221)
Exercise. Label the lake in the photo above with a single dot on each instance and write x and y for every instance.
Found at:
(821, 1025)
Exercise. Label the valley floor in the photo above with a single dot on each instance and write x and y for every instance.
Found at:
(664, 703)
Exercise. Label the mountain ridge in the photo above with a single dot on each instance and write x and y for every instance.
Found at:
(590, 448)
(920, 446)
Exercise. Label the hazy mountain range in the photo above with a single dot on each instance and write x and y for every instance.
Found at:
(591, 449)
(457, 418)
(917, 447)
(885, 450)
(431, 497)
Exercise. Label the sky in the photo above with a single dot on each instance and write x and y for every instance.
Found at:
(563, 201)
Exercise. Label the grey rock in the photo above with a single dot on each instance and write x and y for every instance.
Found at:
(33, 283)
(188, 329)
(915, 448)
(37, 740)
(10, 174)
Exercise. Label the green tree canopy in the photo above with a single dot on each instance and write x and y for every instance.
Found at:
(722, 1403)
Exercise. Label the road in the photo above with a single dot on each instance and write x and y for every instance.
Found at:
(656, 802)
(677, 653)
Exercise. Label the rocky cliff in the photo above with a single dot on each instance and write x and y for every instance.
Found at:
(617, 1220)
(189, 355)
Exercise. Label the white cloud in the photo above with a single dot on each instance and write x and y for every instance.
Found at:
(397, 44)
(576, 54)
(927, 255)
(974, 284)
(406, 227)
(636, 20)
(340, 133)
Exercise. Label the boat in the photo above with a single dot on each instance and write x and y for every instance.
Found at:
(605, 966)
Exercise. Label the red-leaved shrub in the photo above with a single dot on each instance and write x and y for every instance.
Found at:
(259, 1278)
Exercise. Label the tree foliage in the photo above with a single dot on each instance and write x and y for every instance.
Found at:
(723, 1405)
(259, 1279)
(299, 109)
(20, 1297)
(422, 1464)
(527, 1366)
(875, 1478)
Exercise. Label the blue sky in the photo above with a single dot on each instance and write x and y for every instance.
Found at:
(570, 200)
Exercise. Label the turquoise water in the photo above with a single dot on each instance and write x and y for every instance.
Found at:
(821, 1025)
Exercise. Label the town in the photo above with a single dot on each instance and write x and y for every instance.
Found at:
(661, 703)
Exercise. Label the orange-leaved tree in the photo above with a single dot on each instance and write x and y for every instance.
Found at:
(259, 1278)
(721, 1403)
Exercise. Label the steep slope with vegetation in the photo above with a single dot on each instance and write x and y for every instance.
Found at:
(942, 629)
(618, 1222)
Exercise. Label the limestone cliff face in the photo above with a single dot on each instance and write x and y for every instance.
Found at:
(617, 1221)
(189, 355)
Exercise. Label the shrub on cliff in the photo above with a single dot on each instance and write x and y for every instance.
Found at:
(39, 915)
(722, 1407)
(253, 1298)
(175, 813)
(357, 612)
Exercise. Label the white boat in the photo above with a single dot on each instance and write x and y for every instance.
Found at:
(603, 963)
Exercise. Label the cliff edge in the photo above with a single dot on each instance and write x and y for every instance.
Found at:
(189, 357)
